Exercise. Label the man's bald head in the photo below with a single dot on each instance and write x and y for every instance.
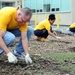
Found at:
(23, 15)
(26, 11)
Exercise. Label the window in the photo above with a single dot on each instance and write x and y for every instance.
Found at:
(55, 5)
(39, 5)
(27, 3)
(65, 5)
(4, 4)
(30, 4)
(33, 5)
(53, 9)
(48, 5)
(57, 9)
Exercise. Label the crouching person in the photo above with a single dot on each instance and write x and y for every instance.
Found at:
(43, 29)
(72, 28)
(13, 23)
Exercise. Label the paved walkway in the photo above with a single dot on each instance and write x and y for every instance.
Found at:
(61, 29)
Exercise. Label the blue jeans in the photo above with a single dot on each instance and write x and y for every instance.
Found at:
(11, 35)
(72, 29)
(42, 33)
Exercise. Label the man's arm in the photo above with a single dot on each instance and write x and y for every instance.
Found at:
(11, 57)
(2, 43)
(24, 42)
(25, 47)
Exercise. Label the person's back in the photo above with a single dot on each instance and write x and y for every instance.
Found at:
(8, 18)
(42, 25)
(8, 10)
(72, 25)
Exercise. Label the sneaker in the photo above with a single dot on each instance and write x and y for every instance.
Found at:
(20, 56)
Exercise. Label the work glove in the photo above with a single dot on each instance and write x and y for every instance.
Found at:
(58, 37)
(54, 33)
(11, 58)
(28, 59)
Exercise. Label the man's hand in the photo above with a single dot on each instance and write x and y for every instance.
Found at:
(58, 37)
(28, 59)
(11, 58)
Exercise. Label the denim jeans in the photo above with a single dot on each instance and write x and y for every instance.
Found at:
(11, 35)
(42, 33)
(72, 29)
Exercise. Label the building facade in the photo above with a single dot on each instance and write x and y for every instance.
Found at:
(13, 3)
(42, 8)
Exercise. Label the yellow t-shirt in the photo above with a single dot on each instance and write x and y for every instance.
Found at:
(72, 26)
(8, 20)
(44, 24)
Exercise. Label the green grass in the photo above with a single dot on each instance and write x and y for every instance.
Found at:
(46, 73)
(60, 57)
(64, 61)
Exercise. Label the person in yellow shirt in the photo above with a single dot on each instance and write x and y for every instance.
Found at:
(72, 28)
(43, 29)
(14, 23)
